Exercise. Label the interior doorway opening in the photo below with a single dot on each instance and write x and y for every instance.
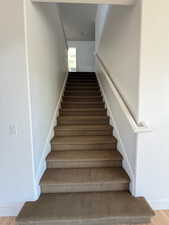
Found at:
(79, 27)
(72, 59)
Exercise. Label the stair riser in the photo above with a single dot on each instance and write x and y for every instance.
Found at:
(83, 99)
(96, 221)
(82, 105)
(82, 93)
(79, 73)
(82, 88)
(83, 122)
(82, 76)
(74, 147)
(72, 80)
(83, 132)
(91, 76)
(78, 80)
(84, 164)
(90, 109)
(83, 187)
(79, 113)
(84, 102)
(82, 83)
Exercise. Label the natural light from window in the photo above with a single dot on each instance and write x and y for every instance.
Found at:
(72, 59)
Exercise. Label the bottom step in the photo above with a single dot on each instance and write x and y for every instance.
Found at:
(99, 208)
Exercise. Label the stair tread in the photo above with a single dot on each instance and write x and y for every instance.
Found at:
(82, 83)
(83, 117)
(84, 109)
(83, 96)
(85, 208)
(82, 103)
(82, 80)
(84, 127)
(84, 91)
(83, 140)
(84, 175)
(84, 156)
(72, 79)
(82, 86)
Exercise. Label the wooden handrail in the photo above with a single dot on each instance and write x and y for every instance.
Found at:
(111, 2)
(137, 127)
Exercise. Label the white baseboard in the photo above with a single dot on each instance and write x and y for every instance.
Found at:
(161, 204)
(121, 148)
(47, 147)
(11, 209)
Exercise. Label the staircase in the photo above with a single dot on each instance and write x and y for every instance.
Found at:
(84, 183)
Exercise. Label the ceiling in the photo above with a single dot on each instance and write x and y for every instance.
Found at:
(79, 21)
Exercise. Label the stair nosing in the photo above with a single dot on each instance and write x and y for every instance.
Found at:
(55, 139)
(122, 179)
(83, 127)
(54, 156)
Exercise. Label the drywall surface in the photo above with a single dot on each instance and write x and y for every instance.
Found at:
(146, 91)
(101, 16)
(16, 165)
(117, 45)
(153, 148)
(119, 37)
(127, 139)
(33, 66)
(47, 61)
(78, 21)
(85, 51)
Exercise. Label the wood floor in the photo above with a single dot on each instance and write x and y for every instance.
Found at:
(161, 218)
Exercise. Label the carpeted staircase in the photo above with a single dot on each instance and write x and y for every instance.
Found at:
(84, 183)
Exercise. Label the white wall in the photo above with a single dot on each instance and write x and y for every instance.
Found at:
(84, 55)
(33, 67)
(153, 149)
(100, 20)
(16, 165)
(123, 131)
(78, 21)
(47, 54)
(146, 91)
(117, 44)
(118, 47)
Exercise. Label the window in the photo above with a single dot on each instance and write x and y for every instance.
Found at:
(72, 59)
